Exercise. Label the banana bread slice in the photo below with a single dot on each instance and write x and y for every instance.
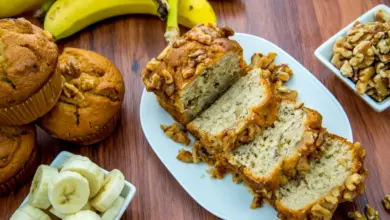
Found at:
(238, 115)
(279, 151)
(336, 176)
(194, 71)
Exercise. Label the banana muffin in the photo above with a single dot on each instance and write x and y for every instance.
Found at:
(28, 83)
(89, 106)
(19, 157)
(190, 74)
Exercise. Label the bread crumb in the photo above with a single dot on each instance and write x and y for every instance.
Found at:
(257, 202)
(218, 172)
(185, 156)
(177, 133)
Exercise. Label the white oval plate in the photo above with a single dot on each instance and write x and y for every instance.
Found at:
(223, 198)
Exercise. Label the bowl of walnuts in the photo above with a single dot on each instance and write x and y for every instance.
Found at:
(359, 55)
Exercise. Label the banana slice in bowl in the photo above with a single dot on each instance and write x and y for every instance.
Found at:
(68, 192)
(114, 209)
(40, 185)
(112, 188)
(88, 169)
(28, 212)
(83, 215)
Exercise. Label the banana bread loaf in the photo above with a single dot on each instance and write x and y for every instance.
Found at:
(238, 115)
(336, 176)
(280, 150)
(192, 72)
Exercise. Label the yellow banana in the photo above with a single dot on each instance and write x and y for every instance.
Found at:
(193, 12)
(67, 17)
(10, 8)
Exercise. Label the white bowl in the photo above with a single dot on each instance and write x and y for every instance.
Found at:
(324, 54)
(127, 193)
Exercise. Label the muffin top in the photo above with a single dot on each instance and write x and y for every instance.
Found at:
(92, 95)
(28, 57)
(16, 146)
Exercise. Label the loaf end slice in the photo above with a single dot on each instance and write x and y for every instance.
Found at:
(194, 71)
(238, 115)
(336, 176)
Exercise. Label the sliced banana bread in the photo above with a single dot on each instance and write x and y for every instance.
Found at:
(280, 150)
(238, 115)
(194, 71)
(336, 176)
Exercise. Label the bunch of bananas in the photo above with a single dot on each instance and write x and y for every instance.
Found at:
(66, 17)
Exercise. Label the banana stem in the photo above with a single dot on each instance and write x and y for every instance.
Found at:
(41, 13)
(163, 7)
(172, 32)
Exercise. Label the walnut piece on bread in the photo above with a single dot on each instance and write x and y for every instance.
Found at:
(190, 74)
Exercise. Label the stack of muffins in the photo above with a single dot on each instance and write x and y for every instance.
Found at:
(75, 96)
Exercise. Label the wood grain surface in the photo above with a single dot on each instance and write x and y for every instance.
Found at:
(298, 27)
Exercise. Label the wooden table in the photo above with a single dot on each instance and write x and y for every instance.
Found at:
(298, 27)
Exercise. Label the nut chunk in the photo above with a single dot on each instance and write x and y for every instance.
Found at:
(371, 213)
(177, 133)
(356, 216)
(386, 203)
(185, 156)
(190, 74)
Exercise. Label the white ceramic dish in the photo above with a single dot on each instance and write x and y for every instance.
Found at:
(223, 198)
(127, 193)
(324, 54)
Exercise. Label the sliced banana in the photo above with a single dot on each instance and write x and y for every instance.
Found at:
(114, 209)
(27, 212)
(88, 169)
(88, 206)
(39, 187)
(60, 215)
(68, 192)
(20, 215)
(56, 213)
(83, 215)
(112, 188)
